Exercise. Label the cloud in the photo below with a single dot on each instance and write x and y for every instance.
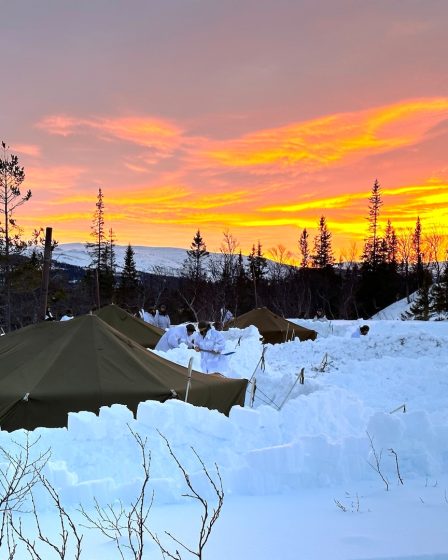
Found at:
(334, 139)
(149, 132)
(27, 149)
(53, 181)
(335, 202)
(274, 181)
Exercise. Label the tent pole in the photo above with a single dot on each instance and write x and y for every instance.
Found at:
(260, 361)
(190, 367)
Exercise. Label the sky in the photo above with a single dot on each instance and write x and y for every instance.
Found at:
(297, 467)
(248, 117)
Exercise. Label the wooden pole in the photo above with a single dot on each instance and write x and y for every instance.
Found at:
(46, 271)
(97, 288)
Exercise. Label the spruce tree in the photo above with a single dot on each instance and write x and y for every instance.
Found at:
(97, 248)
(417, 252)
(390, 244)
(323, 253)
(379, 282)
(12, 176)
(194, 285)
(439, 294)
(243, 290)
(421, 308)
(372, 254)
(304, 249)
(128, 290)
(99, 251)
(256, 269)
(257, 263)
(111, 259)
(193, 267)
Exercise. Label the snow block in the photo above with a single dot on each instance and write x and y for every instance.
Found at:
(165, 416)
(269, 419)
(245, 418)
(214, 423)
(81, 426)
(114, 419)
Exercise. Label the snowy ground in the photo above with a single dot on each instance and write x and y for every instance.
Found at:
(298, 481)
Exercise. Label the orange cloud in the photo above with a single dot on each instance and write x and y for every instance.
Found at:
(322, 142)
(27, 149)
(149, 132)
(155, 198)
(61, 125)
(52, 180)
(176, 205)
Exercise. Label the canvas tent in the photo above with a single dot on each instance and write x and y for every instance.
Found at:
(52, 368)
(133, 327)
(272, 327)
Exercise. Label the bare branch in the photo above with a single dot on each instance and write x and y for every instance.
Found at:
(377, 463)
(396, 465)
(116, 522)
(209, 515)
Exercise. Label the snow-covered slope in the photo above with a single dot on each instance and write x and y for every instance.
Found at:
(157, 260)
(395, 310)
(147, 259)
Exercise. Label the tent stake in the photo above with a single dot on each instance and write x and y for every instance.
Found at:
(402, 407)
(252, 393)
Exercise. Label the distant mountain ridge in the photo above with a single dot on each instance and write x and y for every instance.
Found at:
(154, 260)
(168, 260)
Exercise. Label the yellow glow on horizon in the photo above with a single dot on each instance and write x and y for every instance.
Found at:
(436, 199)
(323, 204)
(353, 226)
(412, 189)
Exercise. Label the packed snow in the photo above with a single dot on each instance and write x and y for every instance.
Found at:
(348, 461)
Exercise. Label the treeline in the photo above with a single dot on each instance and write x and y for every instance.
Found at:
(391, 267)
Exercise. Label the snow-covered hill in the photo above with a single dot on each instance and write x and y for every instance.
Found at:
(168, 260)
(156, 260)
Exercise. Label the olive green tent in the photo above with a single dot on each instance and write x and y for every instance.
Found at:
(272, 327)
(135, 328)
(53, 368)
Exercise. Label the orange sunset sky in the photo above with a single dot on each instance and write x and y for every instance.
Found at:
(249, 116)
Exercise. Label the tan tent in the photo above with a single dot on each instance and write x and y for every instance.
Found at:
(133, 327)
(272, 327)
(53, 368)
